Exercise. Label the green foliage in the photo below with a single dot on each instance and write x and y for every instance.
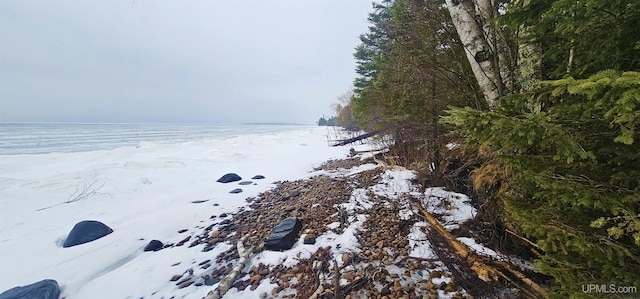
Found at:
(573, 148)
(602, 33)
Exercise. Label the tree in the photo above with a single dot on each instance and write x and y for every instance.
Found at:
(485, 45)
(575, 180)
(344, 111)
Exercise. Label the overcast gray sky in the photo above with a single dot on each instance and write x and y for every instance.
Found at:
(231, 61)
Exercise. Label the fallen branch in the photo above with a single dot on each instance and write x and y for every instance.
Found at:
(84, 193)
(354, 139)
(482, 267)
(318, 266)
(226, 283)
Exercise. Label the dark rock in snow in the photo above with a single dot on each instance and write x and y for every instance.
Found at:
(283, 236)
(211, 281)
(44, 289)
(86, 231)
(154, 245)
(310, 241)
(200, 201)
(257, 177)
(223, 215)
(246, 183)
(235, 191)
(229, 177)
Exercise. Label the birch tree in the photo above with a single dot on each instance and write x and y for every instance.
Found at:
(474, 21)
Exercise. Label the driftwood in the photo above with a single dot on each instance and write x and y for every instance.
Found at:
(318, 265)
(354, 139)
(487, 270)
(226, 283)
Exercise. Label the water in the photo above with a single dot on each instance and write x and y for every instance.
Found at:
(43, 138)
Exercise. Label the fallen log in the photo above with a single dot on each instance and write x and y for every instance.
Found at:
(354, 139)
(226, 283)
(486, 269)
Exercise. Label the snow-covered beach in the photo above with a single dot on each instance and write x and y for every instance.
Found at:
(362, 218)
(142, 192)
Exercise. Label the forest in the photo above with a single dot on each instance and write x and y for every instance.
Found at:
(530, 107)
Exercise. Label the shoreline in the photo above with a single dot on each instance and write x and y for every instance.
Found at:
(354, 212)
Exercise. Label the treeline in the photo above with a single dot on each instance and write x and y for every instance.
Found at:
(532, 106)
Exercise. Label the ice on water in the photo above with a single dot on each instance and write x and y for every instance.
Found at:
(143, 188)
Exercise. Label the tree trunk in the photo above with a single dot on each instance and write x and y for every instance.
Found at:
(475, 34)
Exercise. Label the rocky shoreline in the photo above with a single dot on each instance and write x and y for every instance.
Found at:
(377, 265)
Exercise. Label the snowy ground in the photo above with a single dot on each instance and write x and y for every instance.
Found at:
(142, 193)
(148, 192)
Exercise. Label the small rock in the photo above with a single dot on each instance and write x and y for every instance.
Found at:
(245, 183)
(257, 177)
(211, 281)
(183, 241)
(154, 245)
(204, 262)
(176, 277)
(182, 230)
(200, 201)
(229, 177)
(236, 191)
(44, 289)
(385, 291)
(86, 231)
(309, 241)
(186, 284)
(435, 274)
(256, 277)
(450, 288)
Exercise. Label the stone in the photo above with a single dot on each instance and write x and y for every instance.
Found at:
(44, 289)
(245, 183)
(257, 177)
(283, 235)
(309, 241)
(211, 281)
(200, 201)
(228, 178)
(86, 231)
(154, 245)
(236, 191)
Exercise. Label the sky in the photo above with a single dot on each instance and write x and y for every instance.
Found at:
(222, 62)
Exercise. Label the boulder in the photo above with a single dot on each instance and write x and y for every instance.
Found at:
(283, 236)
(44, 289)
(229, 177)
(154, 245)
(86, 231)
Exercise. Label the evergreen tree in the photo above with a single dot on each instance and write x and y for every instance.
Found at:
(575, 180)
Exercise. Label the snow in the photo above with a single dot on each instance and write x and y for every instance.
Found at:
(148, 191)
(454, 208)
(142, 192)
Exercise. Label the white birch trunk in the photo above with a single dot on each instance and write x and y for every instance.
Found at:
(474, 35)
